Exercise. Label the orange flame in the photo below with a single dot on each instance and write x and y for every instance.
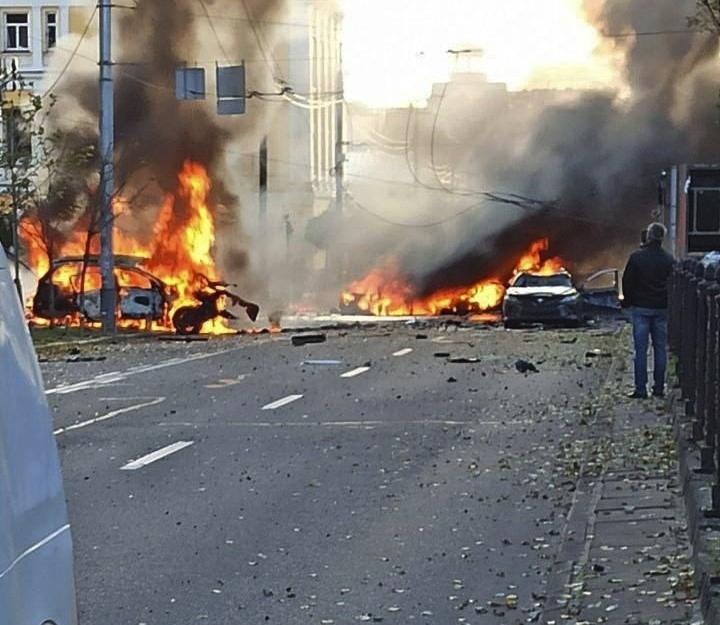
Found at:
(181, 246)
(383, 291)
(386, 291)
(532, 261)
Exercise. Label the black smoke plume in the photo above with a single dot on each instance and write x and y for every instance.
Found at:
(580, 168)
(155, 133)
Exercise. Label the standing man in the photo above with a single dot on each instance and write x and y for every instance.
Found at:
(645, 289)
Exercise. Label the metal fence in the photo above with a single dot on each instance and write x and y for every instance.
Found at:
(694, 322)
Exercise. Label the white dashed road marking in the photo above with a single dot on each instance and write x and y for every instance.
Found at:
(119, 376)
(109, 415)
(403, 352)
(281, 402)
(225, 382)
(366, 424)
(97, 381)
(352, 373)
(155, 455)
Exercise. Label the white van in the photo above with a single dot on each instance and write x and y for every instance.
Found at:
(37, 585)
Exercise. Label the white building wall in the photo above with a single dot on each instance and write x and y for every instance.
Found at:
(31, 63)
(326, 84)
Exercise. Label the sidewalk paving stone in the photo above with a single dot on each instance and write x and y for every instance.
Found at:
(633, 554)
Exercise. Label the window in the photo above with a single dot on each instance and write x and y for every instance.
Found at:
(51, 29)
(705, 216)
(702, 219)
(17, 31)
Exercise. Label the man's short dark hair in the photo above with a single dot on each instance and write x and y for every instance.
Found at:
(656, 231)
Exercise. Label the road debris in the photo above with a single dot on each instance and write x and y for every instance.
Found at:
(525, 366)
(304, 339)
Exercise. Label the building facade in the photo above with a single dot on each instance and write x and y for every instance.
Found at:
(30, 31)
(316, 128)
(304, 142)
(28, 35)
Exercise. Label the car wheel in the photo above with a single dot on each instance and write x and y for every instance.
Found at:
(185, 320)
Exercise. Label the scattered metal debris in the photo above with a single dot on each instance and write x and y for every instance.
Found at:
(464, 360)
(597, 353)
(76, 358)
(186, 338)
(525, 366)
(322, 362)
(191, 318)
(304, 339)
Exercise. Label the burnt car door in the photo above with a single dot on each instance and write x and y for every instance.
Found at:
(601, 290)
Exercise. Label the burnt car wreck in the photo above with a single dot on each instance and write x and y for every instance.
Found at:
(555, 299)
(190, 319)
(71, 287)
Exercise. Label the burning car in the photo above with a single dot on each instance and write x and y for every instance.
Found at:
(68, 290)
(553, 298)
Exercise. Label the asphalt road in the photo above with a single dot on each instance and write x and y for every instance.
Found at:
(394, 473)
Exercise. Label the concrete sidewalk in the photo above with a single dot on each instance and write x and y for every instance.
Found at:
(636, 548)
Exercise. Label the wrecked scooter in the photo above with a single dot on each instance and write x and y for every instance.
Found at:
(190, 319)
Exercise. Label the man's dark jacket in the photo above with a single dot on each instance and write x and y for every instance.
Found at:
(645, 278)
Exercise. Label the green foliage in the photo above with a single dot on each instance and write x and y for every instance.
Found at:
(707, 16)
(45, 171)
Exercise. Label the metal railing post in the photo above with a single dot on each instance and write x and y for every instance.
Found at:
(675, 310)
(712, 395)
(688, 345)
(683, 277)
(707, 451)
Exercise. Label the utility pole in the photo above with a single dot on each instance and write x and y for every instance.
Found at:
(263, 185)
(106, 148)
(263, 200)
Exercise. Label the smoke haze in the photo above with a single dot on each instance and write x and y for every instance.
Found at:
(578, 167)
(592, 158)
(154, 132)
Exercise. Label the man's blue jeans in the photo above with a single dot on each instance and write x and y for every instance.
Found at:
(650, 324)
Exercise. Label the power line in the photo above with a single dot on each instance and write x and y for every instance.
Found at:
(432, 224)
(433, 134)
(309, 100)
(602, 33)
(73, 53)
(251, 20)
(567, 214)
(215, 33)
(411, 169)
(651, 33)
(267, 55)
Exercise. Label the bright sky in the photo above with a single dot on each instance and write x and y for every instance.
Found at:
(394, 50)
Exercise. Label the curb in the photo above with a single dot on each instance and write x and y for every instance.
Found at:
(663, 529)
(703, 529)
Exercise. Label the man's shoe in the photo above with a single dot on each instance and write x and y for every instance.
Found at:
(637, 395)
(658, 394)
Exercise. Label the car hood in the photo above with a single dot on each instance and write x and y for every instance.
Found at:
(539, 291)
